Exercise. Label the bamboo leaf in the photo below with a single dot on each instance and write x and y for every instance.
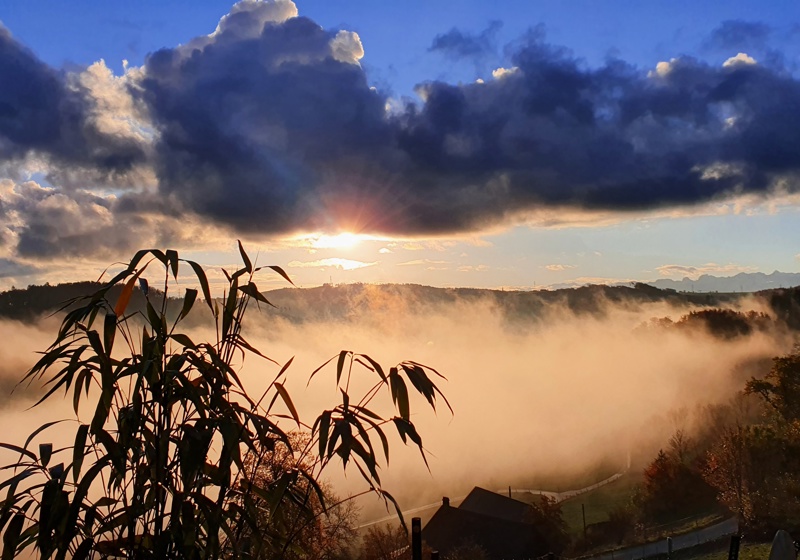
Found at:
(39, 430)
(109, 331)
(125, 295)
(79, 451)
(280, 271)
(375, 365)
(188, 301)
(45, 452)
(183, 340)
(252, 290)
(245, 259)
(288, 401)
(399, 393)
(11, 536)
(201, 277)
(19, 450)
(172, 259)
(313, 373)
(340, 365)
(324, 426)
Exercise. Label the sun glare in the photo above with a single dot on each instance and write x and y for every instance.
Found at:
(343, 240)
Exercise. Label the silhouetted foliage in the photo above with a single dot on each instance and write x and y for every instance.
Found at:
(169, 465)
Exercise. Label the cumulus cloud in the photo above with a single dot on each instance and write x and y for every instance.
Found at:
(694, 272)
(55, 116)
(268, 126)
(740, 58)
(559, 267)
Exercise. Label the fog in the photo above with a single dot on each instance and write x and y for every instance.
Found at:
(533, 401)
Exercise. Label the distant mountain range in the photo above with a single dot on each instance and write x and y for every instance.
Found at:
(742, 282)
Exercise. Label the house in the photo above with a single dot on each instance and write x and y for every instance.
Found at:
(502, 526)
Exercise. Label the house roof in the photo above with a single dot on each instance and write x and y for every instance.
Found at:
(490, 503)
(495, 525)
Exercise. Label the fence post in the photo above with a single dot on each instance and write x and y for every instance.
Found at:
(733, 551)
(416, 538)
(583, 513)
(669, 548)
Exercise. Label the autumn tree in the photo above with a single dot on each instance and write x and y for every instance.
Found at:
(385, 542)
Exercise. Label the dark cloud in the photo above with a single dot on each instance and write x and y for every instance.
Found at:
(458, 44)
(271, 133)
(11, 268)
(52, 223)
(269, 125)
(41, 113)
(739, 35)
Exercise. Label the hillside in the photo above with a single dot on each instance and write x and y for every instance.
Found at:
(349, 302)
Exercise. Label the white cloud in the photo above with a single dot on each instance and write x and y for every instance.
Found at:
(559, 267)
(500, 73)
(741, 58)
(347, 47)
(418, 262)
(471, 268)
(663, 68)
(694, 272)
(341, 264)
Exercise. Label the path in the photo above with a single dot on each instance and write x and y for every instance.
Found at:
(559, 497)
(686, 540)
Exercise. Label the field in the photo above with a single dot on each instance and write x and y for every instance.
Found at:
(599, 502)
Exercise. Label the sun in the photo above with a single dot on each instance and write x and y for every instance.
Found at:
(344, 240)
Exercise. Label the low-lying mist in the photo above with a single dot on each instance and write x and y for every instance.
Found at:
(534, 401)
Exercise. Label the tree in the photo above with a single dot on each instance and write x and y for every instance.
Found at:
(548, 518)
(754, 467)
(323, 531)
(167, 467)
(673, 484)
(385, 542)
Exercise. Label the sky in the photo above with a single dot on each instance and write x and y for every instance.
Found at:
(510, 144)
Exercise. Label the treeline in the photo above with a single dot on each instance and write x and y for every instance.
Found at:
(742, 456)
(354, 301)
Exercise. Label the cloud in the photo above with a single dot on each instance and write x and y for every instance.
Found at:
(741, 58)
(342, 264)
(709, 268)
(473, 268)
(269, 127)
(52, 115)
(10, 268)
(457, 44)
(737, 34)
(46, 223)
(419, 262)
(559, 267)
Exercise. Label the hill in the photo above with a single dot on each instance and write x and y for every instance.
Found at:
(357, 302)
(742, 282)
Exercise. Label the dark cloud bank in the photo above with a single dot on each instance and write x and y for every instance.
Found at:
(270, 126)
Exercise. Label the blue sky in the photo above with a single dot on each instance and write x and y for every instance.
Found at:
(569, 227)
